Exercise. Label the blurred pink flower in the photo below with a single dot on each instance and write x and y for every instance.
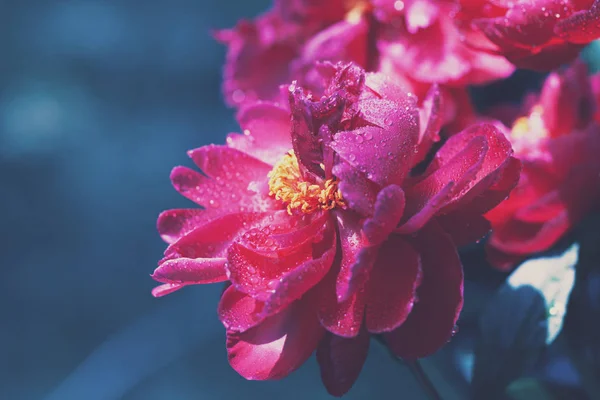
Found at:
(537, 34)
(416, 42)
(558, 141)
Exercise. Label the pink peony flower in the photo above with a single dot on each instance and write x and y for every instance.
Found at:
(538, 34)
(558, 142)
(325, 234)
(416, 41)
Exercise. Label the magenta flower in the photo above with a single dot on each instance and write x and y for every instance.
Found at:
(417, 41)
(558, 142)
(324, 233)
(538, 34)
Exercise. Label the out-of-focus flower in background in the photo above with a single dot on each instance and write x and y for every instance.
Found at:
(313, 218)
(416, 43)
(555, 136)
(537, 34)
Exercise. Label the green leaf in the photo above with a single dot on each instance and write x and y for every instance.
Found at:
(524, 316)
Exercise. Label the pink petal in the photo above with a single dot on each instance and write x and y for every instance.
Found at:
(359, 193)
(294, 284)
(545, 208)
(488, 193)
(431, 117)
(238, 311)
(191, 271)
(343, 41)
(341, 360)
(214, 237)
(254, 47)
(496, 160)
(266, 128)
(277, 346)
(392, 286)
(258, 264)
(357, 257)
(221, 196)
(389, 209)
(527, 24)
(581, 27)
(396, 134)
(174, 224)
(342, 317)
(432, 321)
(165, 289)
(567, 100)
(454, 172)
(231, 168)
(522, 238)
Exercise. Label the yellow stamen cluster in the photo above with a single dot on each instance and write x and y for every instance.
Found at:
(287, 185)
(356, 10)
(530, 127)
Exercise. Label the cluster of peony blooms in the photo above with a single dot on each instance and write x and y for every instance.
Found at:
(362, 166)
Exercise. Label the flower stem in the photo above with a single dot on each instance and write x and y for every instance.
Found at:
(421, 376)
(417, 370)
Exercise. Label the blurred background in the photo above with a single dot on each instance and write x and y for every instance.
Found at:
(99, 99)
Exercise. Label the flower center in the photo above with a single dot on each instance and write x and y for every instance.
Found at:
(356, 9)
(287, 185)
(530, 127)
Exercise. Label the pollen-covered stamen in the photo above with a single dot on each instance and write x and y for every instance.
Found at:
(530, 127)
(287, 185)
(356, 10)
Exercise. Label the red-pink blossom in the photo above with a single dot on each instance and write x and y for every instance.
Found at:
(537, 34)
(316, 218)
(558, 142)
(415, 41)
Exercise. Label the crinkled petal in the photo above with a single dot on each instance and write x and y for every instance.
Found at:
(341, 360)
(395, 136)
(392, 286)
(432, 321)
(278, 345)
